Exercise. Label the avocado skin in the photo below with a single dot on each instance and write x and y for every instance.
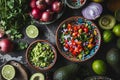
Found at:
(66, 72)
(113, 58)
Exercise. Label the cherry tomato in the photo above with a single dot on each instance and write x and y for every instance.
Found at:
(66, 46)
(74, 53)
(75, 28)
(85, 29)
(69, 27)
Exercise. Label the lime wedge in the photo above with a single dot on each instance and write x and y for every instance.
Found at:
(8, 72)
(32, 31)
(37, 76)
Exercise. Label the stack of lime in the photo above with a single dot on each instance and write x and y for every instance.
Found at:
(8, 72)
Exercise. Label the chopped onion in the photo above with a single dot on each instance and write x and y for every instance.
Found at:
(93, 11)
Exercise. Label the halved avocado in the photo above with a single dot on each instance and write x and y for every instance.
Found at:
(107, 22)
(37, 76)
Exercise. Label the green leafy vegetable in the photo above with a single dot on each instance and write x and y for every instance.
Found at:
(14, 16)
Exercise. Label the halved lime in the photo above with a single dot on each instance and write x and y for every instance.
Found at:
(8, 72)
(32, 31)
(37, 76)
(107, 22)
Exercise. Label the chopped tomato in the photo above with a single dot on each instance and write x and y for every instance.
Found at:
(85, 29)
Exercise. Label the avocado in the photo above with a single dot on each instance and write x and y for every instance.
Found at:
(66, 72)
(37, 76)
(113, 58)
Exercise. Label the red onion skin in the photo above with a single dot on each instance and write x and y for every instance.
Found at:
(36, 13)
(93, 11)
(6, 45)
(33, 3)
(46, 16)
(57, 6)
(41, 5)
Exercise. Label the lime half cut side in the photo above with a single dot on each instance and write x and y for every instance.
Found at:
(8, 72)
(32, 31)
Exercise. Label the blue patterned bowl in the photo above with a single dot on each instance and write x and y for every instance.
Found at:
(75, 4)
(77, 48)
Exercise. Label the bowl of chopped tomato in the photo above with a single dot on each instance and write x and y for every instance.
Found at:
(78, 39)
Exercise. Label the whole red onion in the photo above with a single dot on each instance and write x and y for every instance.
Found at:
(6, 45)
(41, 4)
(93, 11)
(36, 13)
(46, 16)
(57, 6)
(49, 2)
(33, 3)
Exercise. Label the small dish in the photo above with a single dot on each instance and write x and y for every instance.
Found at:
(75, 4)
(78, 39)
(41, 55)
(20, 69)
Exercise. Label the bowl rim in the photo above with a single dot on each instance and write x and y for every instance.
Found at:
(57, 41)
(59, 15)
(70, 6)
(38, 68)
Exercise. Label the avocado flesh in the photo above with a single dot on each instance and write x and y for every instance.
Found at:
(37, 76)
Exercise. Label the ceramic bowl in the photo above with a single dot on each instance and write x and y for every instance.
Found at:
(74, 36)
(75, 4)
(55, 17)
(36, 58)
(19, 68)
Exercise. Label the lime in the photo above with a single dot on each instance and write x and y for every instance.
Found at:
(116, 30)
(37, 76)
(98, 1)
(107, 22)
(99, 67)
(117, 14)
(8, 72)
(32, 31)
(107, 36)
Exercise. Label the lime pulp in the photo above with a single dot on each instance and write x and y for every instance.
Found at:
(8, 72)
(32, 31)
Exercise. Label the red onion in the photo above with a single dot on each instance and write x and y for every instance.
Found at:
(6, 45)
(49, 2)
(41, 4)
(33, 3)
(36, 13)
(46, 16)
(57, 6)
(93, 11)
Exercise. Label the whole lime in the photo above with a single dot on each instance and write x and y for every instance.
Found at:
(99, 67)
(107, 36)
(116, 30)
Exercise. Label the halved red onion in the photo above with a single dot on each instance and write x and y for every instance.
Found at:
(93, 11)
